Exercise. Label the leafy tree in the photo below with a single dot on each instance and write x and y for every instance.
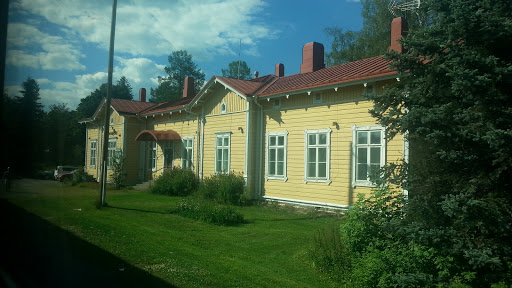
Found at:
(62, 136)
(237, 70)
(373, 39)
(88, 105)
(455, 108)
(171, 87)
(29, 114)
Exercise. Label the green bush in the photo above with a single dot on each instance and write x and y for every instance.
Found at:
(176, 182)
(224, 189)
(80, 176)
(118, 175)
(329, 254)
(209, 212)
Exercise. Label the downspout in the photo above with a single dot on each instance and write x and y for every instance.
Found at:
(202, 145)
(260, 146)
(247, 119)
(198, 133)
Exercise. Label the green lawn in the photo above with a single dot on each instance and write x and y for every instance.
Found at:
(271, 250)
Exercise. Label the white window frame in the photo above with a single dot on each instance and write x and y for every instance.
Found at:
(153, 157)
(355, 146)
(327, 178)
(93, 159)
(223, 108)
(285, 152)
(223, 135)
(168, 145)
(111, 151)
(187, 151)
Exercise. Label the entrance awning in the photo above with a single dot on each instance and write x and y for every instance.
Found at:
(154, 135)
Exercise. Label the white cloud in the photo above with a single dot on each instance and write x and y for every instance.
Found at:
(156, 28)
(140, 72)
(29, 47)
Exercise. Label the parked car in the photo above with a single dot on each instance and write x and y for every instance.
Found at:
(64, 173)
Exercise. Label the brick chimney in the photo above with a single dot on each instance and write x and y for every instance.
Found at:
(312, 57)
(188, 87)
(279, 70)
(399, 29)
(142, 95)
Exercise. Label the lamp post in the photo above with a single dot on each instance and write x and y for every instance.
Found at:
(103, 186)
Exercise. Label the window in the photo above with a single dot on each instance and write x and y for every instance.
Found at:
(317, 155)
(152, 155)
(276, 155)
(112, 120)
(222, 147)
(187, 155)
(223, 108)
(92, 160)
(317, 98)
(112, 146)
(168, 154)
(368, 155)
(277, 103)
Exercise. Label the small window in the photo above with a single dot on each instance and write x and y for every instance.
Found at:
(223, 108)
(112, 146)
(222, 151)
(317, 98)
(92, 160)
(369, 89)
(187, 153)
(112, 120)
(317, 155)
(276, 155)
(277, 103)
(369, 153)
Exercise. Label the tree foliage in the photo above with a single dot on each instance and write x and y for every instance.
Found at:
(373, 39)
(455, 108)
(237, 70)
(88, 105)
(171, 86)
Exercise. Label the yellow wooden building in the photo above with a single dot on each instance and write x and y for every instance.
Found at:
(305, 138)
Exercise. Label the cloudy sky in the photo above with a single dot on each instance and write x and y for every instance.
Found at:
(63, 44)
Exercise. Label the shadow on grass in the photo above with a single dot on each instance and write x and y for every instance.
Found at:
(137, 210)
(36, 253)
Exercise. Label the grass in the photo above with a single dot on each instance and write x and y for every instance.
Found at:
(270, 250)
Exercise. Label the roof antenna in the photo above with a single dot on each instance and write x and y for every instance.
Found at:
(395, 7)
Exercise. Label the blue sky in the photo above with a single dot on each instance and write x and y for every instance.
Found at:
(63, 44)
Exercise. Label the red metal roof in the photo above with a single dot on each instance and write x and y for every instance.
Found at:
(157, 135)
(168, 106)
(130, 106)
(358, 70)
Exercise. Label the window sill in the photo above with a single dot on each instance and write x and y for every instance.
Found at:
(313, 180)
(364, 184)
(281, 178)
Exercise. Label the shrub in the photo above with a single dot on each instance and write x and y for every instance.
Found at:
(209, 212)
(80, 176)
(118, 175)
(176, 182)
(224, 189)
(329, 254)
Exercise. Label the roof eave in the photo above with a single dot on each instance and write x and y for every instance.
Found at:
(351, 82)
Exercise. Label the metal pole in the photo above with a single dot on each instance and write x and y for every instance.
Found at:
(103, 186)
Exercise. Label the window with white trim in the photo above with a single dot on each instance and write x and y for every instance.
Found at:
(317, 155)
(187, 153)
(93, 150)
(152, 155)
(222, 151)
(168, 154)
(276, 155)
(369, 154)
(112, 146)
(223, 108)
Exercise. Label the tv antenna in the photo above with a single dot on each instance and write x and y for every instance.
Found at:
(396, 7)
